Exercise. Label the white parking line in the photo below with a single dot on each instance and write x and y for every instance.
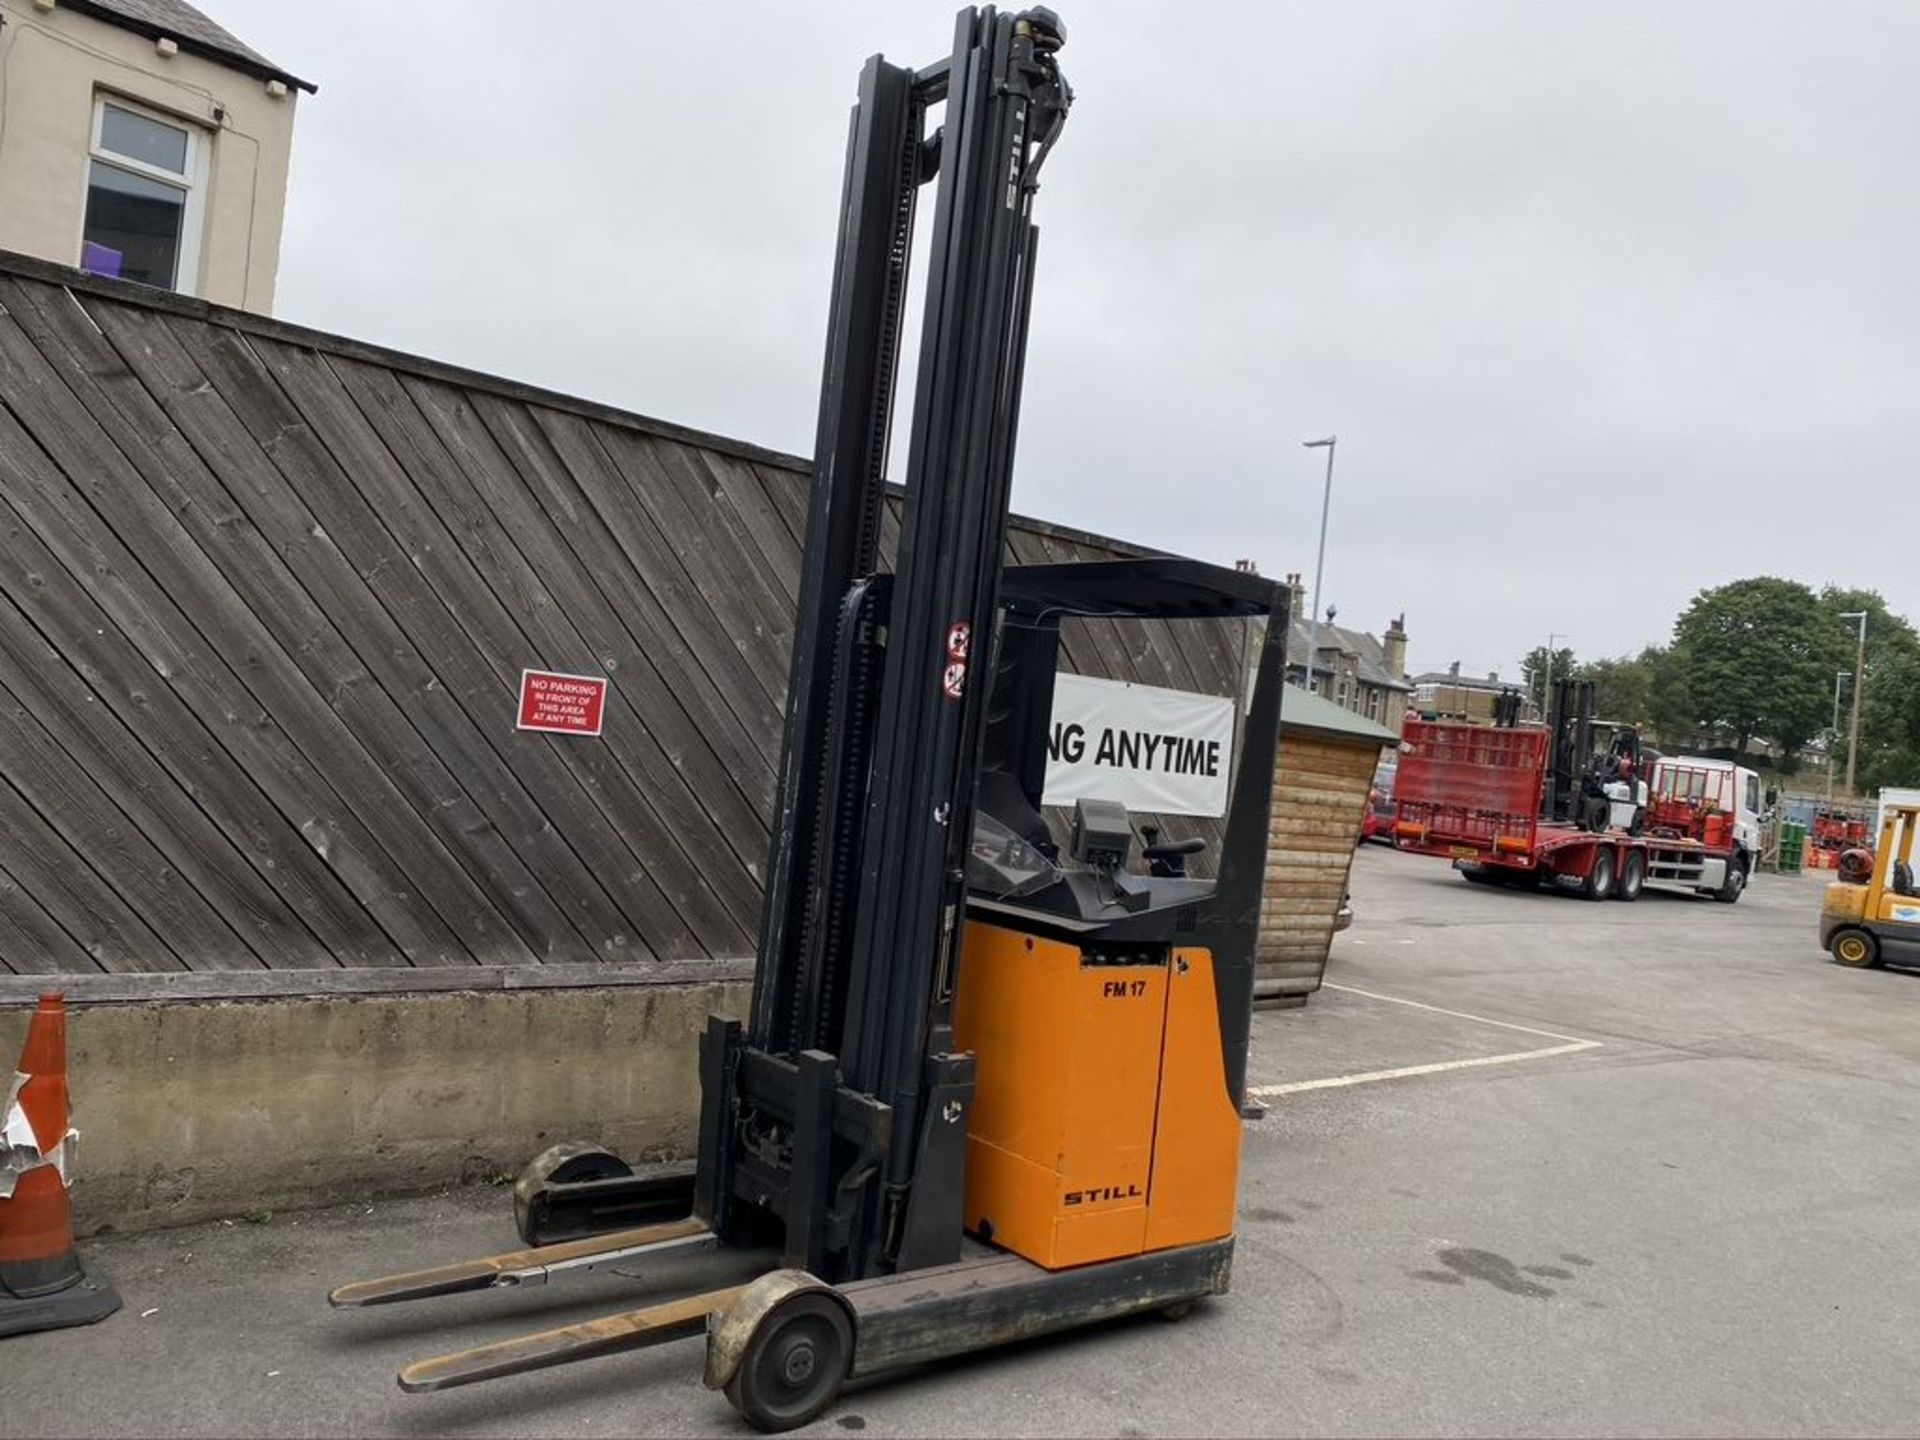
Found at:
(1457, 1014)
(1569, 1046)
(1267, 1092)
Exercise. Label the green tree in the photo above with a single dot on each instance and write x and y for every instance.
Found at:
(1889, 724)
(1534, 663)
(1757, 656)
(1669, 702)
(1888, 634)
(1622, 688)
(1893, 659)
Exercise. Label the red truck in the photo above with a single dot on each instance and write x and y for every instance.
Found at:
(1474, 793)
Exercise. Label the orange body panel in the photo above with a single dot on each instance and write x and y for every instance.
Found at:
(1101, 1126)
(1196, 1139)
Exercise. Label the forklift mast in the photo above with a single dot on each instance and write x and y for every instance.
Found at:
(897, 1204)
(834, 1123)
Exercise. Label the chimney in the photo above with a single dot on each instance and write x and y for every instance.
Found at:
(1493, 677)
(1394, 645)
(1453, 670)
(1297, 598)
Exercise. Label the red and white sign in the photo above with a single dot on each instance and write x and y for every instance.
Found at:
(953, 679)
(565, 704)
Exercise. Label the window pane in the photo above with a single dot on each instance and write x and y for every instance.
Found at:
(139, 138)
(137, 219)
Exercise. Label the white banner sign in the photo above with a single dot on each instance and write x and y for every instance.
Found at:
(1150, 749)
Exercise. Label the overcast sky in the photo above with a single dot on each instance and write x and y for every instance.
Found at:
(1607, 302)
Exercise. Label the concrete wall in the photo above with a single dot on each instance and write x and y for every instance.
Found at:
(189, 1111)
(52, 65)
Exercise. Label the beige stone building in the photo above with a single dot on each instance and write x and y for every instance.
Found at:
(1354, 669)
(1449, 695)
(139, 139)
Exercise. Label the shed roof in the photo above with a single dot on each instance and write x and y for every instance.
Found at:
(1303, 711)
(195, 33)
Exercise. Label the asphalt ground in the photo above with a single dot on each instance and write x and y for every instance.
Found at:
(1533, 1165)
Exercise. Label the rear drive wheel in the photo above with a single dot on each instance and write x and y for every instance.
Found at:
(795, 1364)
(1599, 884)
(1736, 882)
(1856, 948)
(567, 1163)
(1633, 875)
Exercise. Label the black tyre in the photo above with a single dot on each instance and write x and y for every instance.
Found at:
(795, 1364)
(1599, 883)
(1857, 949)
(1633, 875)
(1480, 877)
(1735, 885)
(1595, 814)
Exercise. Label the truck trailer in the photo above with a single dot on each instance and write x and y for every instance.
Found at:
(1484, 797)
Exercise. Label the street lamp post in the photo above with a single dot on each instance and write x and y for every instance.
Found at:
(1320, 559)
(1859, 684)
(1833, 730)
(1546, 674)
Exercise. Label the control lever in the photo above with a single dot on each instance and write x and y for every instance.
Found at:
(1168, 861)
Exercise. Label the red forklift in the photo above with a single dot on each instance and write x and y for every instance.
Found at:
(991, 1082)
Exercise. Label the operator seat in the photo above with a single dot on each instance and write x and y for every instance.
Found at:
(1902, 878)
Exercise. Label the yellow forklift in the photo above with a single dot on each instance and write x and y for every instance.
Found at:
(990, 1085)
(1871, 914)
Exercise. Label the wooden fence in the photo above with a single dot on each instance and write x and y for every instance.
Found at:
(265, 598)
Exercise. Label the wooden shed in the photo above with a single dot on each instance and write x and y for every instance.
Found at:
(1327, 759)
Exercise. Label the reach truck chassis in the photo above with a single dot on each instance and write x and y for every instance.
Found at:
(990, 1086)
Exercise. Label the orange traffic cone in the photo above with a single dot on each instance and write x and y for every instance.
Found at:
(43, 1285)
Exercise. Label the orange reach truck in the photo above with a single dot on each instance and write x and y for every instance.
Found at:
(991, 1079)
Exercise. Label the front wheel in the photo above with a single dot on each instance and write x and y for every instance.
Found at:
(1856, 948)
(1736, 882)
(1599, 882)
(795, 1364)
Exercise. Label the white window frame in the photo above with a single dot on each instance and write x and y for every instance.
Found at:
(192, 182)
(1374, 698)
